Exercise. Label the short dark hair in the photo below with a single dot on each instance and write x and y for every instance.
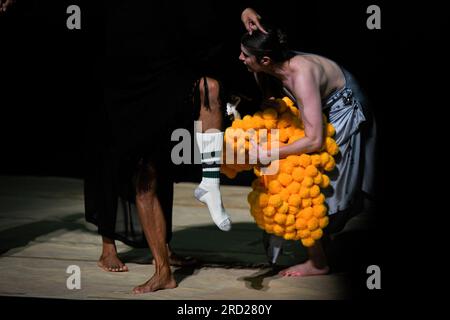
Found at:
(273, 44)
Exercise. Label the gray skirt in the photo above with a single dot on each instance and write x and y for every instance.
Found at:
(348, 111)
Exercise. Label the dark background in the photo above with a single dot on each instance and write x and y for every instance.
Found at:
(47, 85)
(46, 69)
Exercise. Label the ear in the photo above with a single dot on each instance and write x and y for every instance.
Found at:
(265, 61)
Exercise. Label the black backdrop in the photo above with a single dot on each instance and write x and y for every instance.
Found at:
(47, 69)
(47, 85)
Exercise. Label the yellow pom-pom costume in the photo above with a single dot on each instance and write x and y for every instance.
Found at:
(290, 202)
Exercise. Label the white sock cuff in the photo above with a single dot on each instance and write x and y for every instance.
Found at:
(209, 142)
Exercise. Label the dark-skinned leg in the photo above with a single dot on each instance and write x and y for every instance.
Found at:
(211, 117)
(210, 145)
(109, 261)
(154, 226)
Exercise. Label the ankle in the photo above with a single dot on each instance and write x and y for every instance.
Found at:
(319, 264)
(109, 248)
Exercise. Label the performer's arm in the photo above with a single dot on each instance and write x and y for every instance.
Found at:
(251, 20)
(306, 90)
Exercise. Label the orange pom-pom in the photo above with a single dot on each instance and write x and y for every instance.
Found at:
(323, 222)
(270, 124)
(301, 224)
(294, 200)
(284, 208)
(315, 160)
(294, 187)
(311, 170)
(313, 223)
(288, 101)
(285, 194)
(306, 213)
(306, 202)
(278, 230)
(314, 191)
(293, 210)
(317, 234)
(298, 174)
(290, 219)
(308, 242)
(319, 199)
(275, 187)
(325, 181)
(269, 211)
(318, 179)
(286, 166)
(330, 164)
(285, 179)
(268, 220)
(305, 160)
(319, 210)
(263, 200)
(307, 182)
(304, 192)
(275, 200)
(270, 114)
(330, 131)
(280, 218)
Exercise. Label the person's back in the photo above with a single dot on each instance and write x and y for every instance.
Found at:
(328, 73)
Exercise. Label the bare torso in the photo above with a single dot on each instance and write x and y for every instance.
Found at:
(328, 74)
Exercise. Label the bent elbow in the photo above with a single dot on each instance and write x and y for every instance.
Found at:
(316, 144)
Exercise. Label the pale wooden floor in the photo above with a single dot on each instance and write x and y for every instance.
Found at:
(42, 232)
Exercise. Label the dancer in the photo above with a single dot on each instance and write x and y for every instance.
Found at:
(318, 85)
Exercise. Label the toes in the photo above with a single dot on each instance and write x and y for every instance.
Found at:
(137, 290)
(140, 289)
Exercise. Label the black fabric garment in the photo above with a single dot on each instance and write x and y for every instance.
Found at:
(143, 82)
(152, 54)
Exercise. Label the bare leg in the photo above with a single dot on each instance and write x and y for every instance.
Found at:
(177, 260)
(210, 145)
(154, 226)
(315, 265)
(211, 117)
(109, 261)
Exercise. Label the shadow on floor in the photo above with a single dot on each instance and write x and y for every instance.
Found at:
(21, 235)
(352, 251)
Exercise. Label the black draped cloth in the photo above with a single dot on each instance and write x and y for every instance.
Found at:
(149, 54)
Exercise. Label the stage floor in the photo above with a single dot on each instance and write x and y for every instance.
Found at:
(43, 232)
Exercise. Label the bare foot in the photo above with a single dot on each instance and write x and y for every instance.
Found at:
(303, 270)
(157, 282)
(110, 262)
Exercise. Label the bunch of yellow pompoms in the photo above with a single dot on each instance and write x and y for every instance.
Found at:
(289, 203)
